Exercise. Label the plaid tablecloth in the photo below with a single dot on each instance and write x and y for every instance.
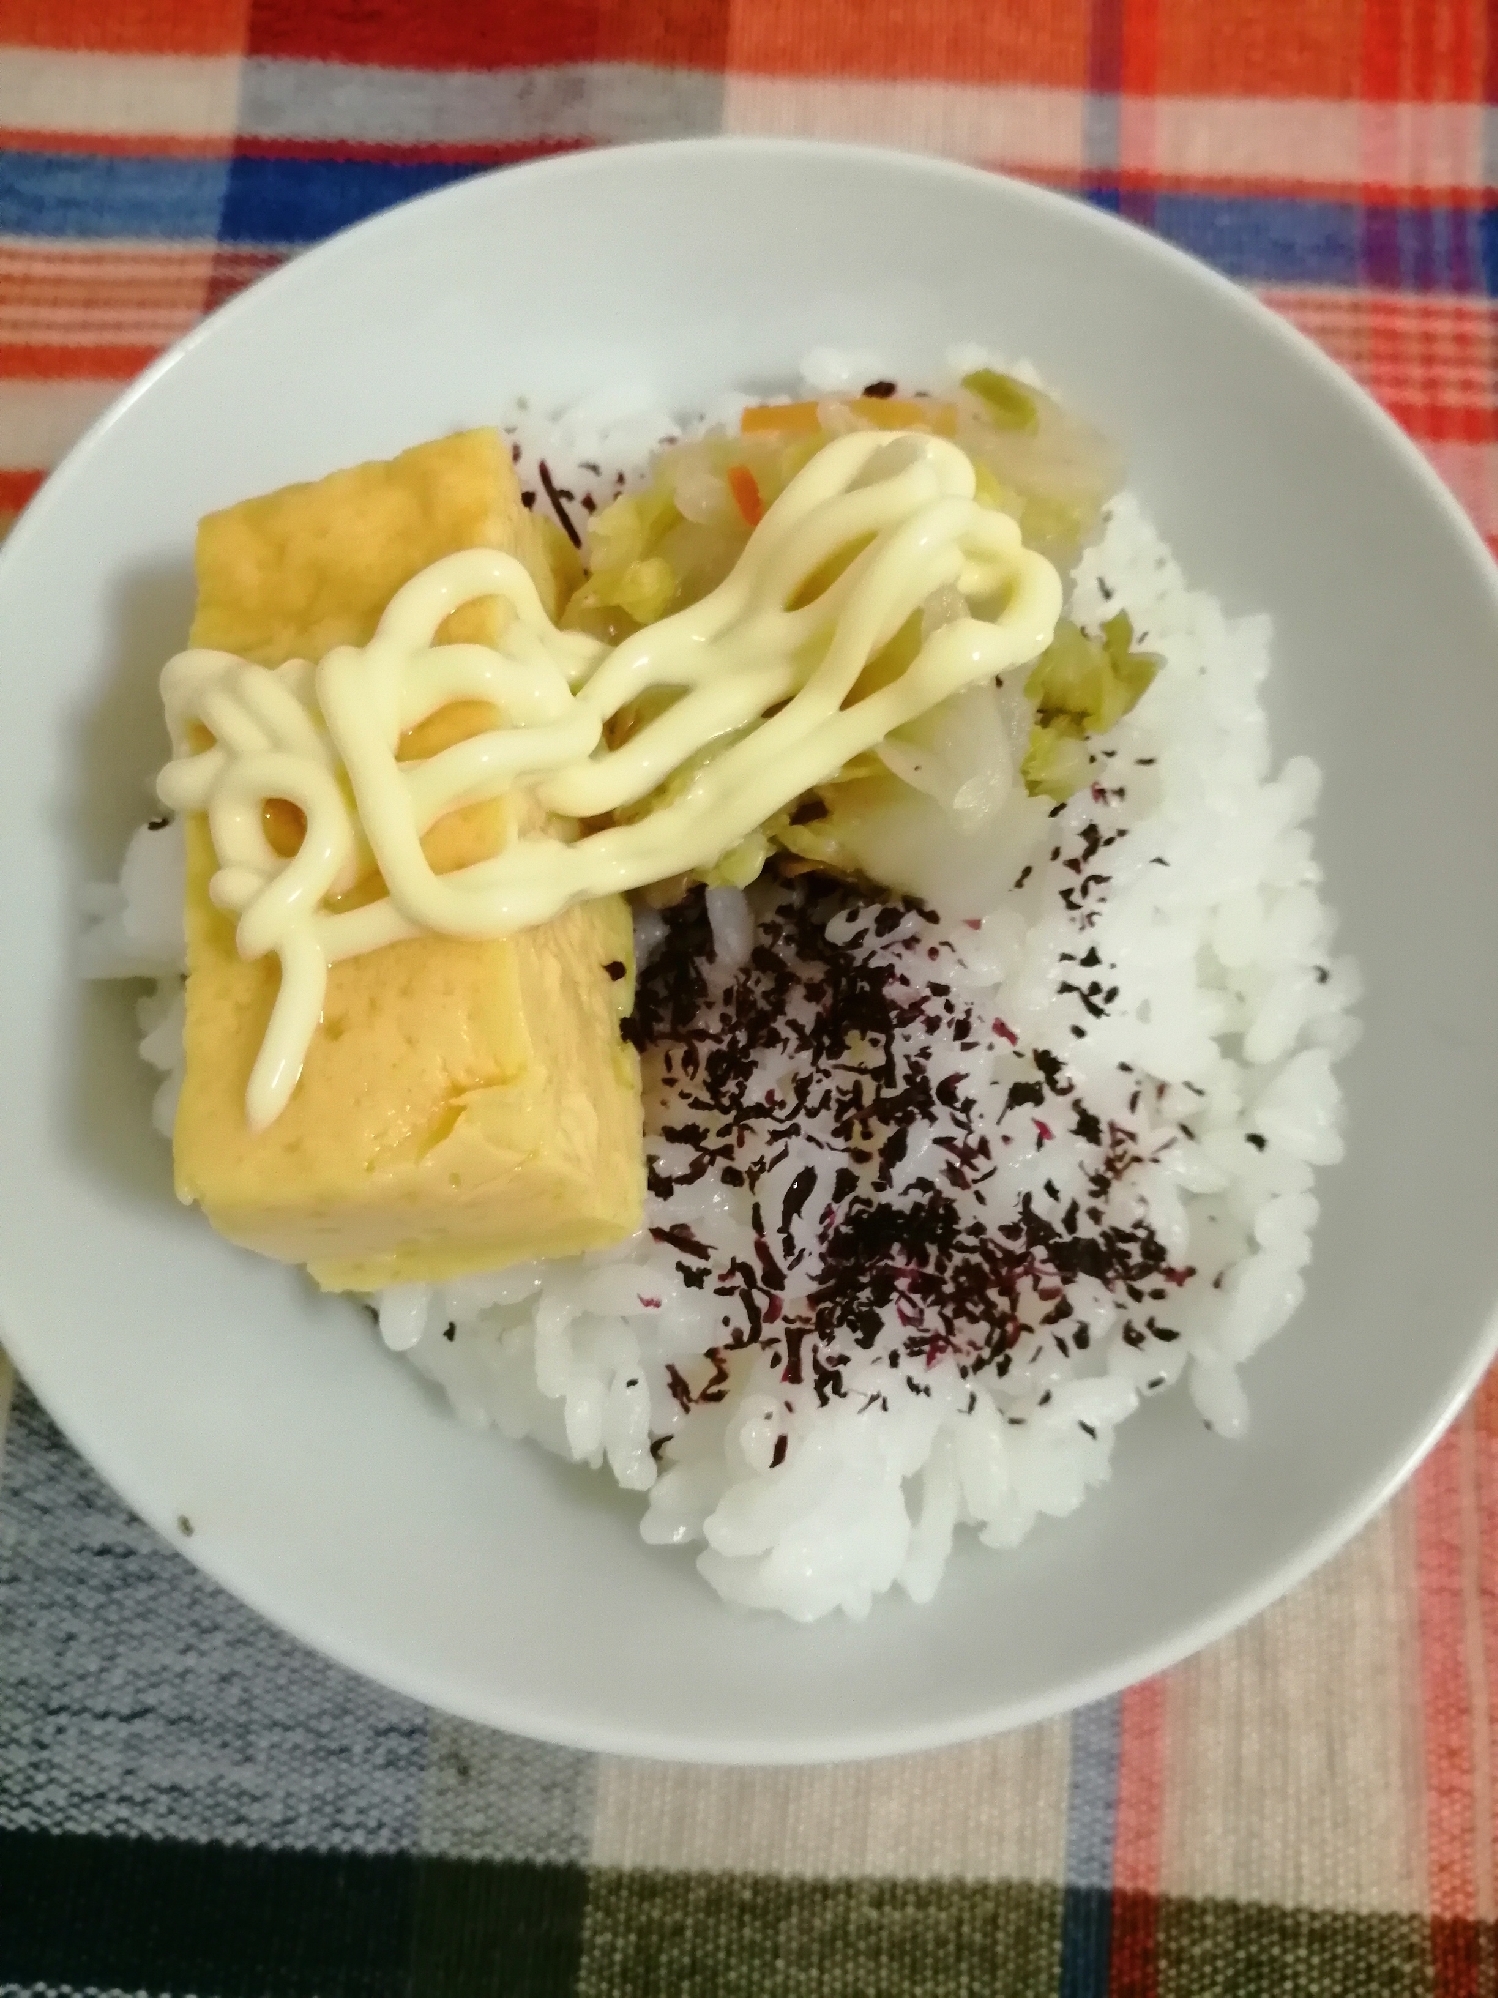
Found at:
(190, 1803)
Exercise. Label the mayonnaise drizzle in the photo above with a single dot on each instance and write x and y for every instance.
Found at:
(326, 736)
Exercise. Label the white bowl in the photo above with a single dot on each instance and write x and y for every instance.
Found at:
(324, 1483)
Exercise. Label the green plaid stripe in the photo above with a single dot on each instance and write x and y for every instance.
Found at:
(113, 1914)
(100, 1914)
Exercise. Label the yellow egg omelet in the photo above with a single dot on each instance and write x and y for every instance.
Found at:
(464, 1104)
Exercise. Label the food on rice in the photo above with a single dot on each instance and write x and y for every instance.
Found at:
(984, 1081)
(673, 747)
(466, 1101)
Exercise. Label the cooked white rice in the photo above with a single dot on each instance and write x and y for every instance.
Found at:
(825, 1353)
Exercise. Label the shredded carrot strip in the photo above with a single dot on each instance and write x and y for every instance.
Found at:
(746, 495)
(884, 412)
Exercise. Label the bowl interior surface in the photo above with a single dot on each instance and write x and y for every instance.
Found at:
(326, 1484)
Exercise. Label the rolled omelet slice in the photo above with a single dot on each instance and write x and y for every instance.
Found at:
(464, 1104)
